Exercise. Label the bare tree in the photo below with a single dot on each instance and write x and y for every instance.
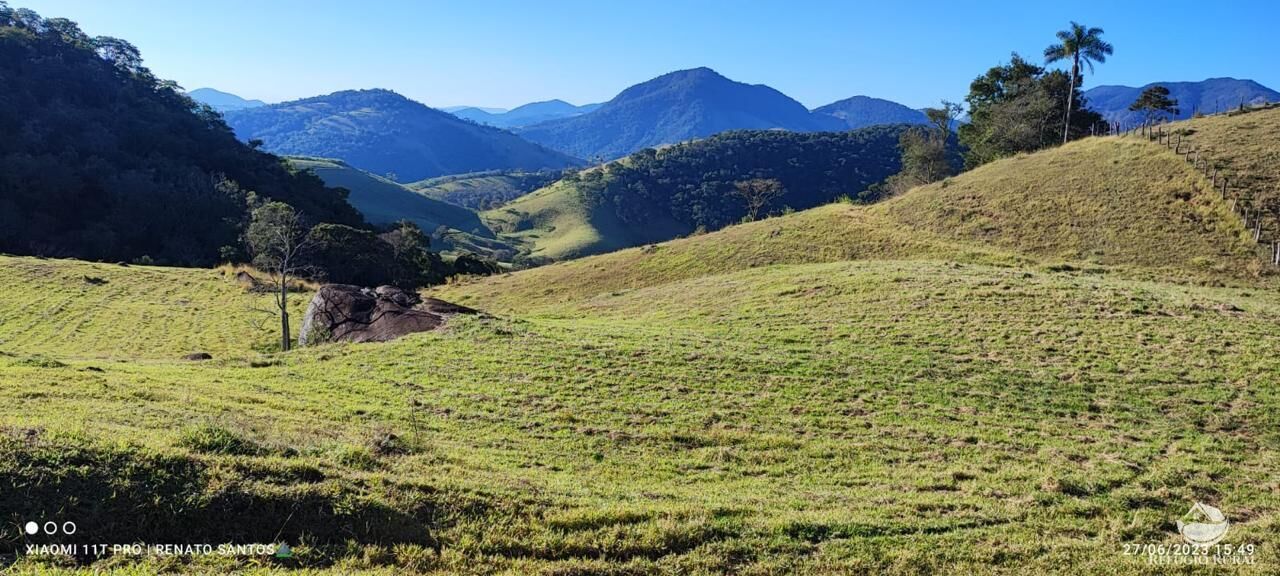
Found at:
(758, 193)
(278, 241)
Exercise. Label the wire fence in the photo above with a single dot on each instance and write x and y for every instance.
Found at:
(1229, 184)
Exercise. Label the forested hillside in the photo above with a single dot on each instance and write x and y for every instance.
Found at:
(656, 194)
(99, 159)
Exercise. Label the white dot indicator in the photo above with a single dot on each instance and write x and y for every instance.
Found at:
(32, 528)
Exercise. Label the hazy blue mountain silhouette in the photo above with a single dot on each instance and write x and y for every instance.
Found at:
(672, 108)
(222, 101)
(385, 133)
(863, 111)
(526, 115)
(1207, 96)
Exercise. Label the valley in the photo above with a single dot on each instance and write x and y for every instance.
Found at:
(812, 392)
(699, 328)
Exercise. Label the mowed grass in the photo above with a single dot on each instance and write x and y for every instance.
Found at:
(70, 309)
(879, 416)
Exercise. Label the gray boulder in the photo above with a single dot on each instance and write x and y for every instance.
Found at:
(346, 313)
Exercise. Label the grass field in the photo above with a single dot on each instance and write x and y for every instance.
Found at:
(953, 381)
(1242, 146)
(892, 416)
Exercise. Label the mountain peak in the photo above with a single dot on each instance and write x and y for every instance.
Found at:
(860, 111)
(381, 131)
(222, 101)
(1207, 96)
(674, 107)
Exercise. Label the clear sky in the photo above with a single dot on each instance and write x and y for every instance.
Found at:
(506, 53)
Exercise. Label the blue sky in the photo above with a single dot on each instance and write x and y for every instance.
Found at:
(505, 53)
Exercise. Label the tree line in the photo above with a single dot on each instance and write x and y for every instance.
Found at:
(101, 160)
(1014, 108)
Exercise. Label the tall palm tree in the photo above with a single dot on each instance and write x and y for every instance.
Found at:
(1080, 45)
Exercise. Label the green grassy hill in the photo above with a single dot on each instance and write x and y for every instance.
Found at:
(557, 222)
(72, 309)
(483, 190)
(879, 416)
(383, 201)
(1104, 202)
(1242, 146)
(957, 380)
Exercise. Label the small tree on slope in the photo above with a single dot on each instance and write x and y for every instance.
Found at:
(278, 241)
(1154, 103)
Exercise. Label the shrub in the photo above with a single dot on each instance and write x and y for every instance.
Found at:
(216, 440)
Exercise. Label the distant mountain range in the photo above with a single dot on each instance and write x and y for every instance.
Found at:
(383, 132)
(863, 111)
(387, 134)
(1207, 96)
(452, 109)
(672, 108)
(222, 101)
(526, 115)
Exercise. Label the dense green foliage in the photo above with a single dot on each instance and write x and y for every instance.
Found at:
(346, 255)
(389, 135)
(484, 190)
(1153, 103)
(673, 108)
(101, 160)
(926, 152)
(1019, 107)
(694, 183)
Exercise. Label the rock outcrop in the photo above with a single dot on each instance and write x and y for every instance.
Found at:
(346, 313)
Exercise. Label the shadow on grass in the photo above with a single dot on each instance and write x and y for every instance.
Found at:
(127, 494)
